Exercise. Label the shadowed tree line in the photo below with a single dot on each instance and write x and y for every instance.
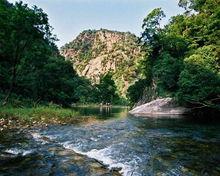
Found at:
(182, 58)
(31, 67)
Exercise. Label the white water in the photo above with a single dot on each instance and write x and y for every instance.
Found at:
(16, 151)
(137, 146)
(104, 156)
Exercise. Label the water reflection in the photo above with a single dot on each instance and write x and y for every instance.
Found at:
(103, 112)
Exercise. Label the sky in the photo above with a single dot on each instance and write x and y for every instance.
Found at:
(70, 17)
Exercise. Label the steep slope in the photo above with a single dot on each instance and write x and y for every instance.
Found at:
(94, 53)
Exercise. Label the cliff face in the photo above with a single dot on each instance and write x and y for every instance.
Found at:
(94, 53)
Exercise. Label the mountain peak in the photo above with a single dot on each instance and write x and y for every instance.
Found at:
(94, 53)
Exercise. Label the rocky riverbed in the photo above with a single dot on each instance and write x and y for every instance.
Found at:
(23, 154)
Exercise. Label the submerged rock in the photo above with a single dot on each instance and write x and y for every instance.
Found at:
(25, 153)
(159, 107)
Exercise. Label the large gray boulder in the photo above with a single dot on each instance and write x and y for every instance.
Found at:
(158, 107)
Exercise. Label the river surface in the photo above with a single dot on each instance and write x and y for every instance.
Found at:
(136, 146)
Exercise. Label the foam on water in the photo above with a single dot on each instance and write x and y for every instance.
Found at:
(103, 155)
(39, 138)
(16, 151)
(107, 154)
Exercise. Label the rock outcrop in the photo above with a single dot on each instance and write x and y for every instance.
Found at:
(94, 53)
(159, 107)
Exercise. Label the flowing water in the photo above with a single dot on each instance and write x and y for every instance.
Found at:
(136, 146)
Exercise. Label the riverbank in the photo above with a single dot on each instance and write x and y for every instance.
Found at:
(99, 105)
(20, 143)
(44, 115)
(26, 117)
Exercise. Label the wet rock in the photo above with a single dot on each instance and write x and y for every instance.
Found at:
(71, 163)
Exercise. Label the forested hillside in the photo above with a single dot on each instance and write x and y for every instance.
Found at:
(182, 58)
(94, 53)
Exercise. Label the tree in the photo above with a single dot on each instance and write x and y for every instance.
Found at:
(86, 92)
(165, 49)
(166, 72)
(200, 79)
(183, 57)
(31, 66)
(26, 28)
(135, 91)
(151, 25)
(107, 89)
(150, 44)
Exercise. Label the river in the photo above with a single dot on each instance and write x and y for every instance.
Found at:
(134, 146)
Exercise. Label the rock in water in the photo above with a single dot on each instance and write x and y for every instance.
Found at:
(158, 107)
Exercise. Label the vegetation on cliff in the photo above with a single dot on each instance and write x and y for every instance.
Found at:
(95, 53)
(182, 58)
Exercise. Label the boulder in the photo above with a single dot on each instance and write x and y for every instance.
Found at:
(159, 107)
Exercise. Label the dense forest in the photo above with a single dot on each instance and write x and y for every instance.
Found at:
(31, 68)
(182, 58)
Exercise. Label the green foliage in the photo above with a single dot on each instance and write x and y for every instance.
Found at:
(85, 55)
(166, 72)
(107, 90)
(86, 92)
(200, 79)
(58, 82)
(182, 59)
(151, 25)
(30, 65)
(205, 6)
(135, 92)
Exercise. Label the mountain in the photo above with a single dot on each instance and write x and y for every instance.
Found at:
(94, 53)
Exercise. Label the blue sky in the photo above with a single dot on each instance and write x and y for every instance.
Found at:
(70, 17)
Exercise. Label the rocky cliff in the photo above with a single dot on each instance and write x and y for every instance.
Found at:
(94, 53)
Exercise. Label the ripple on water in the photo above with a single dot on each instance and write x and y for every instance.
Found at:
(141, 147)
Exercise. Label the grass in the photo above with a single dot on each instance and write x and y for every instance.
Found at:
(37, 115)
(38, 112)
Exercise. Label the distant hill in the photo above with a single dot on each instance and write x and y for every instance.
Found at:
(94, 53)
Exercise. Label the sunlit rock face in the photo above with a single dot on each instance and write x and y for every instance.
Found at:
(94, 53)
(159, 107)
